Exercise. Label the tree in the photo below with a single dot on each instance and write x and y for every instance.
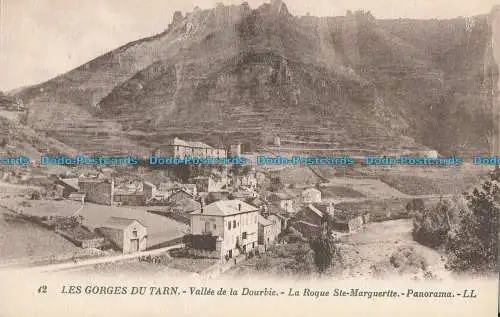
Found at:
(324, 250)
(327, 222)
(431, 226)
(473, 246)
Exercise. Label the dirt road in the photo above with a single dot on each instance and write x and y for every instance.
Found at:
(79, 264)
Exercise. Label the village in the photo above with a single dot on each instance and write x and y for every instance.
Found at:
(225, 214)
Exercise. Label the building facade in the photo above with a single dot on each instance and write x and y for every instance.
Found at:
(149, 190)
(311, 195)
(181, 148)
(97, 191)
(234, 222)
(129, 235)
(282, 201)
(269, 229)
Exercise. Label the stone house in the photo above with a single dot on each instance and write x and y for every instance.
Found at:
(311, 195)
(233, 222)
(129, 235)
(97, 191)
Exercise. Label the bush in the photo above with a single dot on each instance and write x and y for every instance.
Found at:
(473, 246)
(324, 250)
(407, 259)
(303, 263)
(263, 264)
(431, 227)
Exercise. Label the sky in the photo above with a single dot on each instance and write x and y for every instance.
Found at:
(40, 39)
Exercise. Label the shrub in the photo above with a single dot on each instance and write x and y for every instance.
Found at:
(473, 246)
(431, 227)
(324, 251)
(263, 264)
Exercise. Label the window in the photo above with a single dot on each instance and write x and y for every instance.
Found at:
(134, 233)
(215, 226)
(207, 227)
(229, 225)
(234, 223)
(244, 235)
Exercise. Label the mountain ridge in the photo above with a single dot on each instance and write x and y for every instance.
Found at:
(233, 73)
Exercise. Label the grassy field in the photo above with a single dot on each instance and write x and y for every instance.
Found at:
(131, 267)
(428, 180)
(21, 239)
(289, 260)
(370, 188)
(160, 229)
(173, 266)
(340, 192)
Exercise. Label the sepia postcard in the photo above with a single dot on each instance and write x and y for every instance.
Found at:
(249, 158)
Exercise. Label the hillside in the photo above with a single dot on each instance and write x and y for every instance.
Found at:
(233, 73)
(18, 139)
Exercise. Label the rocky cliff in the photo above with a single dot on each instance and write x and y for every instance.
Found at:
(235, 73)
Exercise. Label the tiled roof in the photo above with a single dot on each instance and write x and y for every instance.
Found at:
(225, 208)
(119, 223)
(315, 210)
(265, 222)
(72, 182)
(194, 144)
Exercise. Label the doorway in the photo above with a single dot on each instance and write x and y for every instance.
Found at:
(134, 245)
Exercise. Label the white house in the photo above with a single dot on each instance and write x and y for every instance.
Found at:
(311, 195)
(283, 201)
(129, 235)
(234, 222)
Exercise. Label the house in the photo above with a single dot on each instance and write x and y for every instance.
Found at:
(315, 213)
(255, 201)
(149, 190)
(311, 195)
(281, 214)
(129, 235)
(276, 220)
(97, 191)
(233, 222)
(128, 198)
(269, 229)
(179, 195)
(181, 209)
(168, 187)
(70, 185)
(215, 196)
(182, 148)
(190, 188)
(282, 200)
(348, 222)
(308, 230)
(265, 237)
